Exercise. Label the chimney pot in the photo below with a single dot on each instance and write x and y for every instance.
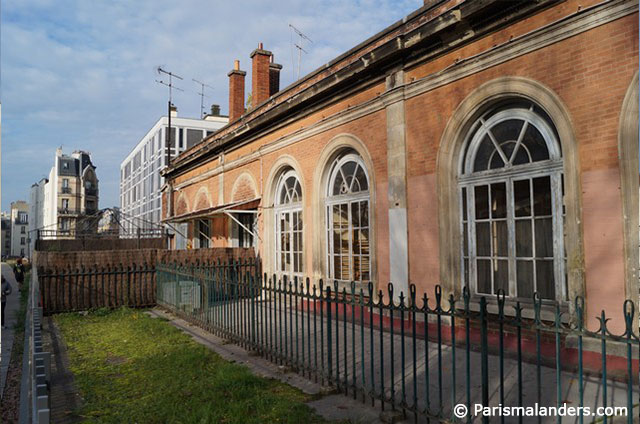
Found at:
(236, 92)
(260, 78)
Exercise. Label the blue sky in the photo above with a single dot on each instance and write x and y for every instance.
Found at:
(81, 74)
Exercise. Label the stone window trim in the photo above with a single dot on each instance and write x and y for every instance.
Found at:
(524, 150)
(288, 206)
(336, 147)
(628, 160)
(353, 191)
(285, 163)
(447, 167)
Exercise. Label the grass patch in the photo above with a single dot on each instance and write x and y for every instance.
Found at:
(132, 368)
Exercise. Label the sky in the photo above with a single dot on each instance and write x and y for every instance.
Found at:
(82, 74)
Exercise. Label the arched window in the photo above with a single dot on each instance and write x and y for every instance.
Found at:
(288, 213)
(347, 206)
(511, 188)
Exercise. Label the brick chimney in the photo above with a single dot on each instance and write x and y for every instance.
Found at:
(260, 78)
(236, 92)
(274, 77)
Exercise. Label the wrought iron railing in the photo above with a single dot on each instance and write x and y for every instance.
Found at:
(416, 355)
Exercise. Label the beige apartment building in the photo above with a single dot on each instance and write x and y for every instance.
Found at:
(70, 196)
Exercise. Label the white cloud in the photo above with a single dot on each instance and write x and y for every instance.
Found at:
(81, 74)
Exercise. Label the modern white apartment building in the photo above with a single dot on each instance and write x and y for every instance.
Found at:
(140, 180)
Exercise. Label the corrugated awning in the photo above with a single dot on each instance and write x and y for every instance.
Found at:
(204, 213)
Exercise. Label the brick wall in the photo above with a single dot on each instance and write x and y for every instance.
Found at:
(99, 244)
(82, 280)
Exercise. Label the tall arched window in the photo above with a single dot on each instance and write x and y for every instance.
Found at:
(511, 189)
(288, 213)
(347, 206)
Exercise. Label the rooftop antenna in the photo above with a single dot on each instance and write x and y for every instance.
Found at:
(301, 38)
(201, 94)
(169, 104)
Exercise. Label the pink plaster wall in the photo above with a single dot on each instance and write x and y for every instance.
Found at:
(603, 246)
(422, 213)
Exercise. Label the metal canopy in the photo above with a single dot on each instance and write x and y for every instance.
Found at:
(216, 210)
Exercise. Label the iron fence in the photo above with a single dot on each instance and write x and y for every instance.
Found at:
(111, 286)
(413, 354)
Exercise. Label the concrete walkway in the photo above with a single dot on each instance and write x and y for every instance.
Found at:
(437, 381)
(6, 343)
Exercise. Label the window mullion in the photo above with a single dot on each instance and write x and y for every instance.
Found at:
(471, 216)
(558, 241)
(511, 231)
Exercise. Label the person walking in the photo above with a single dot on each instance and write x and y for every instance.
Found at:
(6, 291)
(18, 271)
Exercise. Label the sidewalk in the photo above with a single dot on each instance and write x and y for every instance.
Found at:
(13, 305)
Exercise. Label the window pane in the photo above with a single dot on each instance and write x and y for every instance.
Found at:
(500, 235)
(524, 277)
(483, 154)
(484, 276)
(483, 239)
(545, 281)
(534, 141)
(361, 181)
(542, 196)
(544, 237)
(348, 171)
(482, 202)
(364, 242)
(522, 156)
(499, 200)
(524, 243)
(466, 272)
(356, 268)
(496, 161)
(465, 236)
(356, 243)
(338, 185)
(364, 214)
(464, 204)
(507, 130)
(500, 276)
(522, 198)
(355, 214)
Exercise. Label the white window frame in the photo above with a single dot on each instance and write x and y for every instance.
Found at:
(468, 180)
(290, 208)
(348, 199)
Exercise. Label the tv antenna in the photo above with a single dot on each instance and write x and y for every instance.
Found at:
(299, 45)
(170, 83)
(201, 94)
(169, 104)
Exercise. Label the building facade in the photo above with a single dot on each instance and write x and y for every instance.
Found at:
(19, 228)
(36, 211)
(468, 145)
(140, 179)
(70, 196)
(5, 235)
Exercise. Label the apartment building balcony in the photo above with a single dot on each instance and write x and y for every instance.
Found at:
(65, 190)
(91, 191)
(68, 211)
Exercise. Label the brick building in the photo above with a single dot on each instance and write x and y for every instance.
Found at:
(491, 144)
